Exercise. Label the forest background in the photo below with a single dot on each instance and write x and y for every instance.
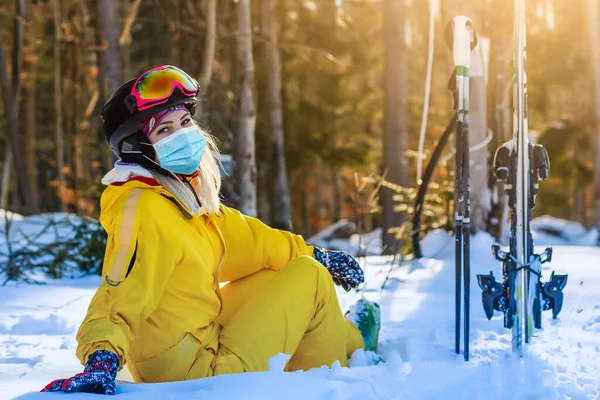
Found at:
(317, 103)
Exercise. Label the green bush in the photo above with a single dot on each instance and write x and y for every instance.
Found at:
(54, 245)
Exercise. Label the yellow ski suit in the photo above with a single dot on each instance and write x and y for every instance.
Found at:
(160, 308)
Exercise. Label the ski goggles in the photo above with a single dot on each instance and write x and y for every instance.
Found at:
(155, 86)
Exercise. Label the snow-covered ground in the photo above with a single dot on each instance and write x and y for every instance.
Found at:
(38, 322)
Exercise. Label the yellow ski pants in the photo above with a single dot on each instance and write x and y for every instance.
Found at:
(294, 311)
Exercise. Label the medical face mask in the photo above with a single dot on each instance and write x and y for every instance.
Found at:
(181, 152)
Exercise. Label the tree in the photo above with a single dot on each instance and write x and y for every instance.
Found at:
(244, 113)
(395, 122)
(569, 148)
(478, 132)
(206, 22)
(58, 101)
(11, 89)
(500, 17)
(109, 54)
(108, 27)
(29, 99)
(594, 42)
(281, 215)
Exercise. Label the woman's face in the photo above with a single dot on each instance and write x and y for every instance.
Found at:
(169, 125)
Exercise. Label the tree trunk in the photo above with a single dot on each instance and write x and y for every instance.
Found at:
(580, 201)
(210, 41)
(110, 58)
(59, 134)
(337, 196)
(478, 168)
(90, 129)
(500, 116)
(278, 182)
(209, 24)
(244, 113)
(595, 67)
(84, 94)
(6, 170)
(11, 103)
(29, 114)
(395, 120)
(320, 203)
(573, 194)
(229, 11)
(262, 196)
(500, 124)
(110, 69)
(283, 16)
(306, 205)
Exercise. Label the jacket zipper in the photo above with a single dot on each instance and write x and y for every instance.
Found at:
(210, 219)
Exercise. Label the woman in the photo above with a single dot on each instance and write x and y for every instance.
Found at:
(160, 308)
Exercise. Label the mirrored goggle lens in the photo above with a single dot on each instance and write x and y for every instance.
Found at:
(159, 84)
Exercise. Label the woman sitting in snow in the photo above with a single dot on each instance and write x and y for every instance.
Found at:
(160, 308)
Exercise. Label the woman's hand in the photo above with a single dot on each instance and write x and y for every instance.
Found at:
(98, 376)
(342, 266)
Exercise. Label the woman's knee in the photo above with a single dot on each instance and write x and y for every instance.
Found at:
(306, 268)
(306, 263)
(235, 294)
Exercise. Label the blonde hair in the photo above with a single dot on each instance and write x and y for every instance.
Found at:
(206, 186)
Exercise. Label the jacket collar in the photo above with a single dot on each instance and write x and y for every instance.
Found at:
(124, 172)
(138, 176)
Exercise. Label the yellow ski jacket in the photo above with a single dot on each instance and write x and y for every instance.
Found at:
(163, 266)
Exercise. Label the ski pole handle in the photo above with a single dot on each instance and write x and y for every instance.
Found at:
(461, 38)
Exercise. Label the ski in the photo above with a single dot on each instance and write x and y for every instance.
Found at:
(461, 38)
(521, 165)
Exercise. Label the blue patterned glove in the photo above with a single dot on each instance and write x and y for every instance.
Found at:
(97, 377)
(344, 269)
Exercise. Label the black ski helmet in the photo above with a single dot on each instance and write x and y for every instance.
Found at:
(121, 123)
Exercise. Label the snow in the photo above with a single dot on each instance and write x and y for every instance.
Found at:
(434, 242)
(38, 323)
(8, 216)
(341, 236)
(42, 228)
(552, 231)
(549, 230)
(354, 312)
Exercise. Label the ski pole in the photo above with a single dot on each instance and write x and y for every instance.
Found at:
(461, 38)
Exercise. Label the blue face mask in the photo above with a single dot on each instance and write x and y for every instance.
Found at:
(181, 152)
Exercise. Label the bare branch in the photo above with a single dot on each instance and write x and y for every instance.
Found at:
(126, 34)
(189, 5)
(210, 39)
